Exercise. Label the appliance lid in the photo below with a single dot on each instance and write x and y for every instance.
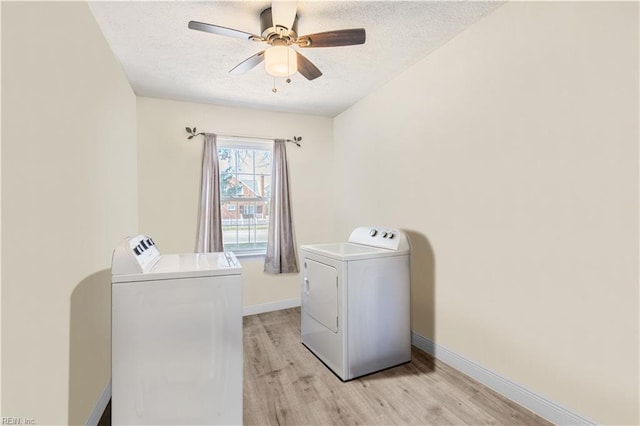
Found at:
(187, 265)
(365, 242)
(350, 251)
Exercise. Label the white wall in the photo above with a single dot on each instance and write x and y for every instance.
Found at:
(69, 193)
(170, 169)
(511, 156)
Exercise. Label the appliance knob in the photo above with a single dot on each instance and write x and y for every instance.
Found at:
(373, 232)
(384, 235)
(391, 235)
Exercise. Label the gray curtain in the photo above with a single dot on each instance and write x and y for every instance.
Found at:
(281, 245)
(209, 221)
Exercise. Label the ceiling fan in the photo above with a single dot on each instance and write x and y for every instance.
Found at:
(279, 29)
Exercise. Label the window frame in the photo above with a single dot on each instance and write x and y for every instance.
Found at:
(239, 143)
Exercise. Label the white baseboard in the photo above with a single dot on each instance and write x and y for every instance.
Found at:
(538, 404)
(268, 307)
(98, 410)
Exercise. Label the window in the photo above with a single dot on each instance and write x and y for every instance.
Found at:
(245, 194)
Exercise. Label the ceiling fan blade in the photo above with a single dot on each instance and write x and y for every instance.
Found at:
(223, 31)
(307, 69)
(283, 13)
(333, 38)
(248, 64)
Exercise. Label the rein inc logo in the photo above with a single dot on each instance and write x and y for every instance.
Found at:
(18, 421)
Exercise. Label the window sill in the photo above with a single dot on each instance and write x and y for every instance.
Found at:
(242, 256)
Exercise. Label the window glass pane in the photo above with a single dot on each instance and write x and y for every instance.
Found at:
(266, 186)
(226, 158)
(263, 162)
(262, 223)
(245, 160)
(250, 185)
(230, 187)
(229, 210)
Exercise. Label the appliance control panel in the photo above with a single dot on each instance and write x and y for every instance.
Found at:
(134, 255)
(376, 236)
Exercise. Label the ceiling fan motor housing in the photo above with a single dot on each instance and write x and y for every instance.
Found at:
(272, 32)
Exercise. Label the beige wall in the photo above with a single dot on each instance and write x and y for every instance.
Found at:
(511, 154)
(0, 222)
(170, 168)
(69, 193)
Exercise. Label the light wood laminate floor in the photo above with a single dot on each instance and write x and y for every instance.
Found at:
(285, 384)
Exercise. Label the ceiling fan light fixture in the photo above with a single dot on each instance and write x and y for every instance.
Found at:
(280, 61)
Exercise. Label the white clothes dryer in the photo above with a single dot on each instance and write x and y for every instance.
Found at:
(176, 353)
(355, 314)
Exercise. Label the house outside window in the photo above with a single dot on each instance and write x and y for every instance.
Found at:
(245, 194)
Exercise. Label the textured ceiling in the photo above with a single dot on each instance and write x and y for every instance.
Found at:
(162, 58)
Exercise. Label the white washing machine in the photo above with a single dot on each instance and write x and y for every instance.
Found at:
(355, 314)
(176, 353)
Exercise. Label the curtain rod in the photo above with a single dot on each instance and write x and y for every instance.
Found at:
(192, 133)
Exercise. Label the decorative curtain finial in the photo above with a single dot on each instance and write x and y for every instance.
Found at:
(192, 132)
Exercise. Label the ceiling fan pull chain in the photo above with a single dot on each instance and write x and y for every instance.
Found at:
(288, 80)
(274, 90)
